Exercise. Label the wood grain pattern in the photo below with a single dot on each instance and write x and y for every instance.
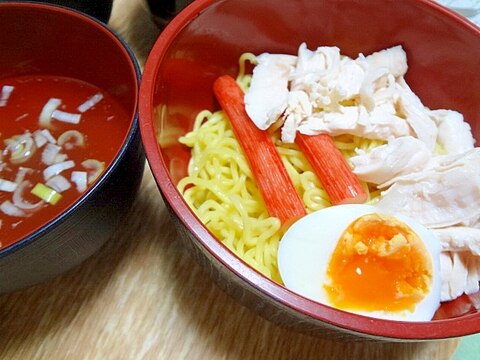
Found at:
(143, 297)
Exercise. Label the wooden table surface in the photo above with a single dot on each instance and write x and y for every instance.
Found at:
(142, 296)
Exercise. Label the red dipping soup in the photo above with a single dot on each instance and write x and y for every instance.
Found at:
(57, 135)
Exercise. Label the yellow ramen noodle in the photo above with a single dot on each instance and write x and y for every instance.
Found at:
(222, 192)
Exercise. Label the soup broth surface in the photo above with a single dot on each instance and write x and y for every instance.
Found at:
(102, 127)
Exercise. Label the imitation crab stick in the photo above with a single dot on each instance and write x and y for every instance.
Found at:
(328, 163)
(279, 194)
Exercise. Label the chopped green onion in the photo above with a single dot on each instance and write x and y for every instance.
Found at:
(45, 193)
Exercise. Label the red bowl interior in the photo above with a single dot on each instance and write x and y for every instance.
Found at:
(45, 39)
(206, 40)
(51, 40)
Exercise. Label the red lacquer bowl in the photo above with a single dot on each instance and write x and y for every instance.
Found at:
(206, 40)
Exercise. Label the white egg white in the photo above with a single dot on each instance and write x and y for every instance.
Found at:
(306, 248)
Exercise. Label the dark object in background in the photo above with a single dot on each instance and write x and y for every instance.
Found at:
(100, 9)
(164, 10)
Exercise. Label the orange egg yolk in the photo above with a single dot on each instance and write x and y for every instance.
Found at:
(379, 263)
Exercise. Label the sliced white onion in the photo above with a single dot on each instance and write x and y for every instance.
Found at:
(47, 110)
(50, 153)
(57, 168)
(22, 171)
(79, 178)
(7, 185)
(20, 202)
(94, 168)
(20, 147)
(67, 117)
(11, 210)
(39, 138)
(70, 139)
(58, 183)
(60, 158)
(51, 139)
(5, 94)
(42, 137)
(91, 102)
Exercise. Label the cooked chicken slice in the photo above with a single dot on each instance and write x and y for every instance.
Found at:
(459, 273)
(298, 108)
(458, 277)
(381, 68)
(326, 76)
(356, 120)
(267, 97)
(473, 275)
(459, 238)
(454, 134)
(401, 155)
(416, 114)
(445, 194)
(372, 81)
(446, 266)
(316, 66)
(394, 59)
(349, 80)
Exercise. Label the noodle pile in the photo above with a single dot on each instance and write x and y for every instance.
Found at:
(222, 192)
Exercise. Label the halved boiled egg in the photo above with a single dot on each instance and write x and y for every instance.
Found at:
(359, 259)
